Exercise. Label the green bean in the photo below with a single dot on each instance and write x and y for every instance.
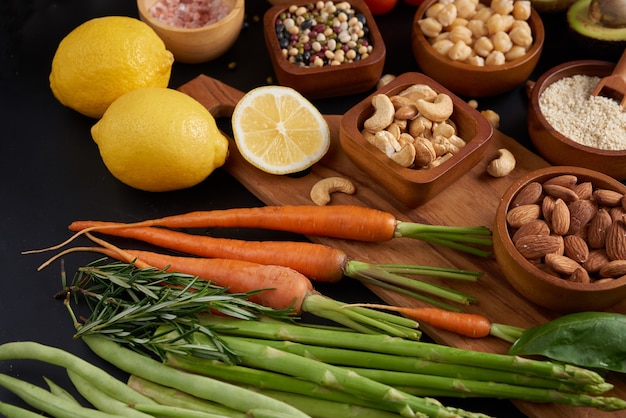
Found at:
(45, 401)
(101, 400)
(12, 411)
(201, 386)
(59, 391)
(28, 350)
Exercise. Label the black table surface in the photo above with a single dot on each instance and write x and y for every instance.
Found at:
(52, 174)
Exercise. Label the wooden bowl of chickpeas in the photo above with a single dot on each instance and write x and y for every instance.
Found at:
(477, 49)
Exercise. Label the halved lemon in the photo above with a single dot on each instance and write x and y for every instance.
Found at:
(279, 131)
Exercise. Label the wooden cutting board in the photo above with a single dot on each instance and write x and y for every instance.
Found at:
(472, 200)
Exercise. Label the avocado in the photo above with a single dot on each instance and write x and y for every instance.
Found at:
(602, 42)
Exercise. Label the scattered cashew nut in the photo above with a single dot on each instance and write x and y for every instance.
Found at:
(321, 191)
(503, 165)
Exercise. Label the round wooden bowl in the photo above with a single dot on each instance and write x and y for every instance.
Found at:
(413, 186)
(197, 45)
(470, 80)
(536, 285)
(326, 81)
(554, 146)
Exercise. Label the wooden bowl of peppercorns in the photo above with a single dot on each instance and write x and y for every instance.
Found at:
(327, 52)
(559, 238)
(200, 32)
(569, 127)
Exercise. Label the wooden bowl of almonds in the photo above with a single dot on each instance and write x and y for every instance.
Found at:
(560, 238)
(324, 49)
(495, 49)
(414, 137)
(569, 126)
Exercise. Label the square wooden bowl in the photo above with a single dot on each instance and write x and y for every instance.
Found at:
(327, 81)
(415, 186)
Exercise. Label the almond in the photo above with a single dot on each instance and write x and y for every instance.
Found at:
(596, 260)
(617, 213)
(530, 194)
(579, 275)
(560, 218)
(615, 268)
(558, 191)
(547, 204)
(575, 248)
(581, 212)
(561, 264)
(598, 227)
(606, 197)
(533, 227)
(566, 180)
(518, 216)
(537, 246)
(616, 241)
(583, 190)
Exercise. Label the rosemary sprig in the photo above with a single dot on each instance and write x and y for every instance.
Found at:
(128, 305)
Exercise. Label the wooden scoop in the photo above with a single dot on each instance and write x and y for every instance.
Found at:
(614, 85)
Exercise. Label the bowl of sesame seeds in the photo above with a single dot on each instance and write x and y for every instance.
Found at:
(569, 126)
(194, 31)
(324, 49)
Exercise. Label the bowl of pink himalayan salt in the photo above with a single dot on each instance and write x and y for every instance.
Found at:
(194, 30)
(569, 126)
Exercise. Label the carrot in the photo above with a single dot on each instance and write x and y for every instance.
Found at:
(466, 324)
(275, 287)
(316, 261)
(340, 221)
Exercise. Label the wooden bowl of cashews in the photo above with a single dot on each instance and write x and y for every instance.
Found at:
(414, 137)
(494, 51)
(558, 238)
(346, 56)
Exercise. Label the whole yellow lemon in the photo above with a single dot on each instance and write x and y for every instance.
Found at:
(159, 139)
(104, 58)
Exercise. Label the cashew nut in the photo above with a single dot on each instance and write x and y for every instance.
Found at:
(384, 80)
(492, 117)
(405, 156)
(503, 165)
(437, 111)
(424, 152)
(383, 113)
(321, 191)
(419, 91)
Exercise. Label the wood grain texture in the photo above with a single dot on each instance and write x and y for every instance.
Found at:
(471, 200)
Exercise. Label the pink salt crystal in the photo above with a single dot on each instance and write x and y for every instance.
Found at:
(190, 13)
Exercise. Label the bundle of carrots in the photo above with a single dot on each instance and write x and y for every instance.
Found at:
(283, 268)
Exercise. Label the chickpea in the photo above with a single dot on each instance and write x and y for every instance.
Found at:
(483, 46)
(443, 46)
(430, 26)
(476, 60)
(503, 7)
(495, 58)
(521, 9)
(460, 51)
(447, 15)
(521, 37)
(483, 13)
(461, 33)
(457, 22)
(501, 41)
(465, 8)
(495, 23)
(433, 10)
(515, 52)
(478, 28)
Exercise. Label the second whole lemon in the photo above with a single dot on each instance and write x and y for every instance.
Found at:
(159, 139)
(104, 58)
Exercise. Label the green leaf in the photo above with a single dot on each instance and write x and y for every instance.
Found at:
(589, 339)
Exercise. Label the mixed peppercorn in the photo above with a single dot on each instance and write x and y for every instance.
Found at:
(323, 33)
